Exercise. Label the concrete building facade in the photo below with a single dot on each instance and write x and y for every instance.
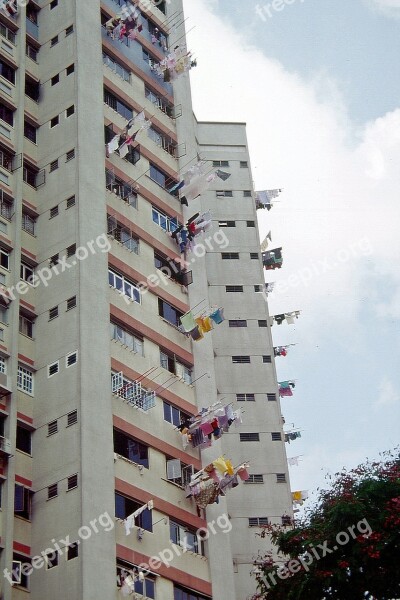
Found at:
(95, 373)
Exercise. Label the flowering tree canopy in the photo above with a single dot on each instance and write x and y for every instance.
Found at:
(346, 547)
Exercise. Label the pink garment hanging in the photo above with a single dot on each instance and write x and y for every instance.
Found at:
(243, 474)
(206, 428)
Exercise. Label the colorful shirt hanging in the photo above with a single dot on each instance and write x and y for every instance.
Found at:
(215, 480)
(291, 436)
(264, 197)
(272, 259)
(210, 424)
(178, 62)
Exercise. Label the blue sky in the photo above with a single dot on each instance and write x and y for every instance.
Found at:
(359, 46)
(318, 85)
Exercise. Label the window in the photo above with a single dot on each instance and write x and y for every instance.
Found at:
(160, 177)
(120, 107)
(3, 369)
(30, 132)
(72, 551)
(172, 365)
(52, 491)
(271, 397)
(124, 286)
(181, 593)
(145, 586)
(71, 359)
(70, 111)
(172, 269)
(187, 538)
(255, 479)
(28, 223)
(254, 255)
(24, 440)
(131, 449)
(245, 397)
(51, 559)
(224, 193)
(251, 223)
(243, 164)
(53, 369)
(70, 154)
(240, 360)
(230, 255)
(53, 123)
(71, 250)
(22, 502)
(159, 101)
(54, 41)
(7, 33)
(31, 52)
(25, 380)
(124, 337)
(53, 4)
(220, 163)
(71, 303)
(6, 114)
(69, 30)
(249, 437)
(174, 415)
(262, 323)
(53, 212)
(18, 576)
(30, 176)
(70, 69)
(178, 472)
(258, 521)
(237, 323)
(53, 166)
(116, 66)
(123, 235)
(70, 202)
(124, 507)
(266, 358)
(32, 89)
(4, 259)
(227, 223)
(6, 160)
(7, 72)
(281, 478)
(56, 79)
(26, 326)
(247, 193)
(166, 223)
(276, 436)
(3, 314)
(52, 428)
(72, 418)
(233, 288)
(72, 482)
(169, 313)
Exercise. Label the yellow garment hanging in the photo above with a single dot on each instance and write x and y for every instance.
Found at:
(296, 495)
(220, 465)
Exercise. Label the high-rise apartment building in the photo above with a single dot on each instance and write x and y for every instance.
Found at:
(100, 384)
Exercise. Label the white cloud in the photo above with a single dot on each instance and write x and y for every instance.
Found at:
(388, 394)
(340, 183)
(390, 8)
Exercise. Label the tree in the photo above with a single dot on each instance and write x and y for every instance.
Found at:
(347, 547)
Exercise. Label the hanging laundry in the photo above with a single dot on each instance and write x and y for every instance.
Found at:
(222, 175)
(9, 8)
(272, 259)
(113, 145)
(243, 472)
(196, 334)
(269, 287)
(265, 243)
(280, 351)
(205, 324)
(279, 319)
(294, 461)
(176, 63)
(175, 188)
(218, 316)
(292, 435)
(285, 392)
(264, 197)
